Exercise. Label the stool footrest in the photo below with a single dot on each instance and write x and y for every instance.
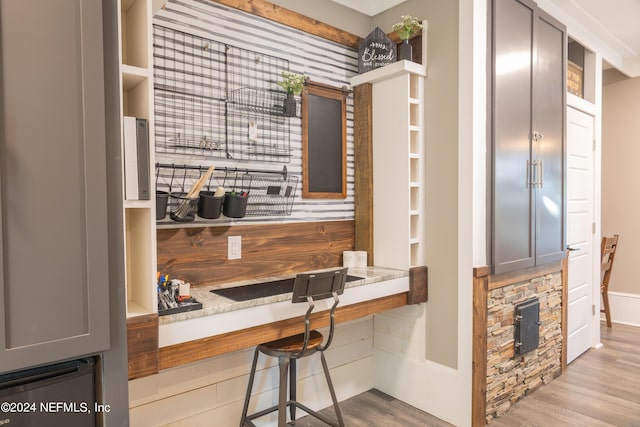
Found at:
(316, 414)
(298, 405)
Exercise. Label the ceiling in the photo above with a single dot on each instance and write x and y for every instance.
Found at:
(616, 23)
(370, 7)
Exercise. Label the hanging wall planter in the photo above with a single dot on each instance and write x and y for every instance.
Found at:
(290, 105)
(293, 84)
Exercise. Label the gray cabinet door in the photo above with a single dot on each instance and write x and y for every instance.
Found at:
(549, 98)
(528, 130)
(513, 233)
(53, 240)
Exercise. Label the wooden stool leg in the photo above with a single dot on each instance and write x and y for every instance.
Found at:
(607, 311)
(283, 361)
(252, 375)
(331, 390)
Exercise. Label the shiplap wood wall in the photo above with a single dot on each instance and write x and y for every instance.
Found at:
(322, 60)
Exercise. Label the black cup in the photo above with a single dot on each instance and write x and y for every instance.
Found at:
(209, 207)
(162, 197)
(235, 205)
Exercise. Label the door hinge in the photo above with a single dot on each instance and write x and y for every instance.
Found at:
(594, 144)
(593, 309)
(593, 228)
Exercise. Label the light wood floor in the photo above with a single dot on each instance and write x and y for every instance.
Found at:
(376, 409)
(600, 388)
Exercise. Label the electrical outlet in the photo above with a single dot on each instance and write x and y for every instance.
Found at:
(234, 247)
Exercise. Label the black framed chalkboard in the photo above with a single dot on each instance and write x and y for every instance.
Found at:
(324, 145)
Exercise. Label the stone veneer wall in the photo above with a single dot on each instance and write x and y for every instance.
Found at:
(510, 377)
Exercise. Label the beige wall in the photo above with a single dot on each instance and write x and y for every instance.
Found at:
(441, 138)
(620, 178)
(330, 13)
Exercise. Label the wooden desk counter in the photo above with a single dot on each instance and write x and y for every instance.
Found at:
(224, 325)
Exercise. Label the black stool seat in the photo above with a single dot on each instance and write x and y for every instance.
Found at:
(308, 287)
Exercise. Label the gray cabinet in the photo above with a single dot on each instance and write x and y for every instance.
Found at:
(528, 135)
(54, 282)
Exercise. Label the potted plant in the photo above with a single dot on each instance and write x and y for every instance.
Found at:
(406, 29)
(293, 84)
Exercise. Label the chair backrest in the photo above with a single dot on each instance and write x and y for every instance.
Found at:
(608, 253)
(319, 285)
(310, 287)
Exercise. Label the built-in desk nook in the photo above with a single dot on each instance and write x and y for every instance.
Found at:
(225, 324)
(227, 137)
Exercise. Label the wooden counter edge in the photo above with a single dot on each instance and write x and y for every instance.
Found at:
(142, 345)
(192, 351)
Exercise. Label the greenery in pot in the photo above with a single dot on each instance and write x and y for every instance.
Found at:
(408, 27)
(292, 82)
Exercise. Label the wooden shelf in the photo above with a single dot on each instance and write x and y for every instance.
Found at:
(137, 101)
(384, 73)
(138, 204)
(134, 309)
(132, 76)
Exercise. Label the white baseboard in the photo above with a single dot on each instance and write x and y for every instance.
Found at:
(625, 308)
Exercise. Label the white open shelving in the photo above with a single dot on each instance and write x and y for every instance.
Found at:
(136, 79)
(398, 161)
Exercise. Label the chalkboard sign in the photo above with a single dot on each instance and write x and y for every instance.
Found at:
(324, 148)
(375, 51)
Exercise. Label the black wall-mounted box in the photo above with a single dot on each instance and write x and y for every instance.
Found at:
(527, 326)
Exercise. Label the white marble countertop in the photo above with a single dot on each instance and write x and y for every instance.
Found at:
(213, 304)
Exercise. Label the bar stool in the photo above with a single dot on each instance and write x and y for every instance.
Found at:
(309, 287)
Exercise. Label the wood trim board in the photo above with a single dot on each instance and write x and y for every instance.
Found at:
(192, 351)
(500, 280)
(293, 19)
(479, 356)
(142, 345)
(363, 169)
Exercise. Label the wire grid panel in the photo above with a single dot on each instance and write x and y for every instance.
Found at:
(272, 195)
(189, 93)
(269, 194)
(216, 100)
(255, 116)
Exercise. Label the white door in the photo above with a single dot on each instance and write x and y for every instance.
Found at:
(580, 199)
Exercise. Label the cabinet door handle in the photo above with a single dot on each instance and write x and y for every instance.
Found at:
(528, 178)
(541, 182)
(533, 169)
(537, 136)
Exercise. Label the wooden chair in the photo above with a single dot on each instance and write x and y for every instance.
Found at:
(608, 252)
(307, 287)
